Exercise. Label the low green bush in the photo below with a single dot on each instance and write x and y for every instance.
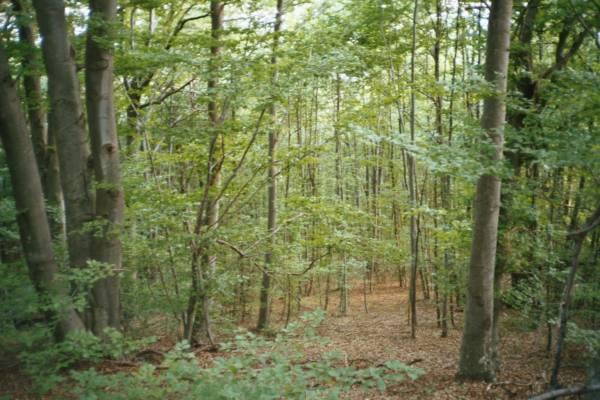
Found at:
(254, 368)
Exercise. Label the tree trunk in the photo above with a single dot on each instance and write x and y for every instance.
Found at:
(476, 361)
(412, 176)
(204, 260)
(31, 213)
(445, 180)
(43, 143)
(67, 121)
(265, 289)
(578, 237)
(106, 245)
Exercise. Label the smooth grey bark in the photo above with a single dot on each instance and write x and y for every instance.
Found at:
(33, 225)
(31, 84)
(476, 354)
(66, 120)
(43, 141)
(106, 245)
(265, 288)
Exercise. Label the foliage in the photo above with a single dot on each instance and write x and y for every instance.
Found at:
(46, 362)
(529, 297)
(254, 368)
(336, 91)
(588, 338)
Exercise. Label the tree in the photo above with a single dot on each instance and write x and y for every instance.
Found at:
(476, 354)
(109, 207)
(412, 185)
(204, 259)
(67, 121)
(42, 137)
(263, 316)
(578, 237)
(33, 224)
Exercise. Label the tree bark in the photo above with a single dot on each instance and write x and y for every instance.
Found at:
(265, 289)
(43, 142)
(476, 354)
(33, 225)
(412, 176)
(67, 121)
(106, 245)
(445, 179)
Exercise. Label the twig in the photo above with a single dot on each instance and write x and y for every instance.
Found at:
(510, 383)
(233, 247)
(166, 95)
(243, 158)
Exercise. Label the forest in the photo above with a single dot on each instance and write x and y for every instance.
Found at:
(299, 199)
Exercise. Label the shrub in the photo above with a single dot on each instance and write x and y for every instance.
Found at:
(255, 368)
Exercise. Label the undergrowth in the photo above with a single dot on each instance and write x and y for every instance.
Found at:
(253, 367)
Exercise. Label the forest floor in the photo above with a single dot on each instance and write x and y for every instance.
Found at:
(369, 339)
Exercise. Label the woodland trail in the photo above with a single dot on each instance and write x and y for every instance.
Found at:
(382, 334)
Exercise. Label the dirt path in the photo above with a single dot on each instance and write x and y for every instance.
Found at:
(383, 334)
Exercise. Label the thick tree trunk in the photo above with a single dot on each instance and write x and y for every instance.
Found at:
(43, 143)
(67, 121)
(476, 354)
(31, 213)
(106, 245)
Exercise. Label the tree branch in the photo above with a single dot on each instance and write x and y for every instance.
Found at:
(166, 95)
(243, 158)
(233, 247)
(311, 265)
(592, 223)
(181, 24)
(562, 60)
(554, 394)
